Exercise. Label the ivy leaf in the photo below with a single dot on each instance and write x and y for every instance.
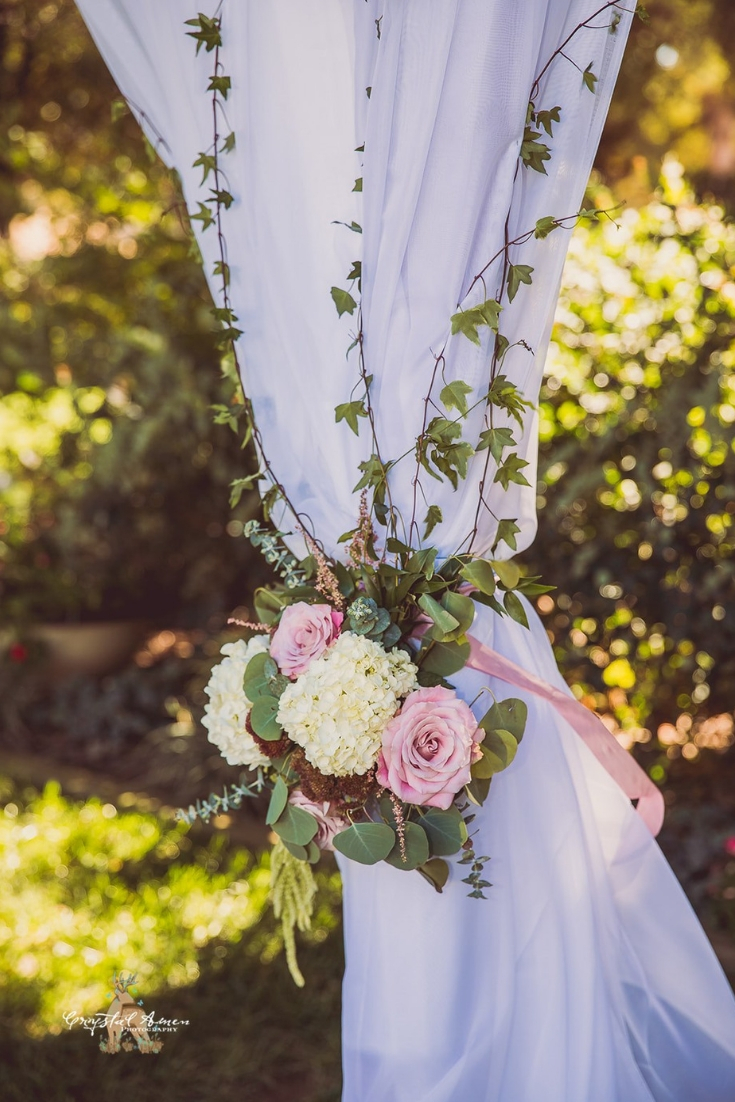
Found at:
(533, 152)
(518, 274)
(454, 396)
(589, 78)
(222, 268)
(507, 531)
(239, 485)
(545, 226)
(506, 395)
(220, 84)
(642, 13)
(547, 118)
(468, 321)
(355, 271)
(224, 198)
(203, 215)
(358, 184)
(344, 301)
(511, 471)
(207, 162)
(207, 33)
(433, 517)
(349, 412)
(373, 473)
(496, 440)
(229, 143)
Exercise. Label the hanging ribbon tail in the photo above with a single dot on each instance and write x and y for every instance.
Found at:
(621, 766)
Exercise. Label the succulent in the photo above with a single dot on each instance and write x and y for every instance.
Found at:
(365, 617)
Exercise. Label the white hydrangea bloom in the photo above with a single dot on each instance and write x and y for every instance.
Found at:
(338, 709)
(225, 714)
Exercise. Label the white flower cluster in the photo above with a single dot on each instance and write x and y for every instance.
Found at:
(338, 709)
(225, 714)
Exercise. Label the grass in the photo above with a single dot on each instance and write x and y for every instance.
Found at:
(88, 889)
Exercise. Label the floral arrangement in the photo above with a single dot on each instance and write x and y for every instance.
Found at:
(339, 700)
(339, 704)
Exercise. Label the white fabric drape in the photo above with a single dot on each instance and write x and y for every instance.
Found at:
(585, 976)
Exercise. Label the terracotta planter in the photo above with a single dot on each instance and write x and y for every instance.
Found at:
(89, 648)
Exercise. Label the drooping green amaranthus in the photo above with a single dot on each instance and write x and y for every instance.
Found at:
(292, 893)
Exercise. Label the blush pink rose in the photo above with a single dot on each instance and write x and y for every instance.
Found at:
(428, 748)
(328, 824)
(304, 633)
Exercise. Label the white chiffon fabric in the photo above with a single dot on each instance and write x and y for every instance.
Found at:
(584, 977)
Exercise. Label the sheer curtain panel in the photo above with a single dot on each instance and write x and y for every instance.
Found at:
(585, 976)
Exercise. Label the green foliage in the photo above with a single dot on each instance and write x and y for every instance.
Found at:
(110, 889)
(349, 412)
(107, 369)
(344, 301)
(470, 321)
(637, 471)
(366, 843)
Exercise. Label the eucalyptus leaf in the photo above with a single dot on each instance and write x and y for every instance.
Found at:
(498, 750)
(480, 573)
(263, 719)
(490, 601)
(515, 609)
(416, 848)
(299, 852)
(478, 789)
(268, 604)
(258, 673)
(444, 659)
(422, 562)
(296, 825)
(366, 843)
(462, 608)
(507, 715)
(313, 853)
(508, 572)
(445, 830)
(436, 872)
(278, 801)
(443, 620)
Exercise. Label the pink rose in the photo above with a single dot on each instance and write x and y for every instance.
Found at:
(428, 748)
(730, 846)
(304, 633)
(329, 824)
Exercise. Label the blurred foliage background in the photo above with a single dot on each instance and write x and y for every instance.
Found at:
(114, 506)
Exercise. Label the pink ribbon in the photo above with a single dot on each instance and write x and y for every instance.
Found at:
(623, 769)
